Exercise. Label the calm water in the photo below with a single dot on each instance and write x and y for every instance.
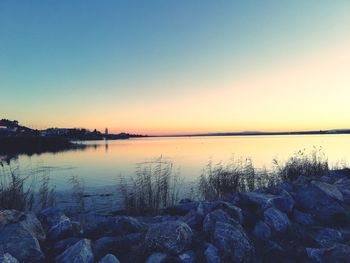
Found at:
(101, 165)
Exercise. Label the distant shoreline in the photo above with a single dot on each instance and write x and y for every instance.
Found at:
(325, 132)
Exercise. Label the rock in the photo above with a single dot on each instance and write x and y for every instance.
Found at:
(337, 253)
(233, 211)
(322, 206)
(157, 258)
(339, 174)
(185, 201)
(326, 179)
(170, 237)
(119, 225)
(62, 245)
(34, 226)
(80, 252)
(213, 217)
(286, 186)
(109, 258)
(50, 216)
(345, 190)
(205, 207)
(10, 217)
(232, 242)
(187, 257)
(58, 225)
(273, 252)
(60, 230)
(211, 254)
(7, 258)
(249, 218)
(276, 219)
(327, 237)
(329, 189)
(284, 202)
(262, 231)
(302, 180)
(302, 218)
(316, 254)
(118, 246)
(126, 225)
(182, 208)
(193, 219)
(18, 236)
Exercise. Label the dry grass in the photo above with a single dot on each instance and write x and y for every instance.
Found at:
(220, 180)
(78, 193)
(18, 192)
(155, 186)
(47, 196)
(312, 163)
(13, 194)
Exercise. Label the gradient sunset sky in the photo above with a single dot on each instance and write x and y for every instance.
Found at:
(184, 66)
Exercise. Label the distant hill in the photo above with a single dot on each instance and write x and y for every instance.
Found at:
(257, 133)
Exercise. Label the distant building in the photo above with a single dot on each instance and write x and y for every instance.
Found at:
(55, 131)
(106, 131)
(8, 129)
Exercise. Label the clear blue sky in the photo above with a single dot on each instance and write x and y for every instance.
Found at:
(174, 66)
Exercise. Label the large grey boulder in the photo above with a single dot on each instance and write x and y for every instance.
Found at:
(232, 243)
(337, 253)
(276, 219)
(19, 235)
(343, 186)
(233, 211)
(7, 258)
(34, 226)
(283, 202)
(116, 226)
(193, 219)
(57, 224)
(302, 218)
(80, 252)
(9, 216)
(327, 237)
(118, 246)
(109, 258)
(187, 257)
(329, 189)
(262, 231)
(322, 206)
(62, 245)
(157, 257)
(171, 237)
(213, 217)
(211, 254)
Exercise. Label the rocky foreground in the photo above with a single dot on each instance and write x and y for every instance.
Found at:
(307, 220)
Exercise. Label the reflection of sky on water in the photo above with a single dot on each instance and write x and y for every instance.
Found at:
(102, 166)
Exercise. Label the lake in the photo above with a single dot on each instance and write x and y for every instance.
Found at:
(102, 164)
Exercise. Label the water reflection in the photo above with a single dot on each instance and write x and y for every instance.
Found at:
(102, 162)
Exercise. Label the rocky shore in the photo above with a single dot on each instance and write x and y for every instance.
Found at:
(307, 220)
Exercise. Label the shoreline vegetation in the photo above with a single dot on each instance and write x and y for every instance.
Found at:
(299, 212)
(157, 184)
(16, 139)
(36, 144)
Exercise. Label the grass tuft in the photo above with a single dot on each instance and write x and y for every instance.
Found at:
(155, 186)
(312, 163)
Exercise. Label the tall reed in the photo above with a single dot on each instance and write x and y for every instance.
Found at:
(312, 163)
(154, 186)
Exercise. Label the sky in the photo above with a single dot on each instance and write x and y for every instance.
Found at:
(177, 66)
